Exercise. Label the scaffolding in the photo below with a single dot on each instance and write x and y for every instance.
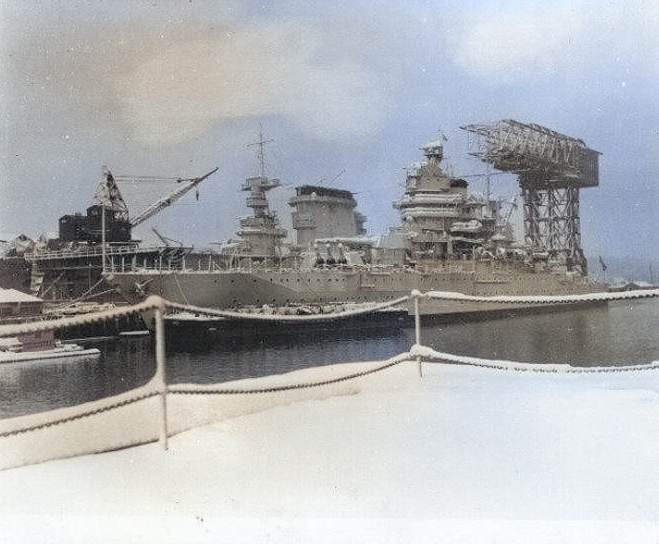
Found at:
(551, 168)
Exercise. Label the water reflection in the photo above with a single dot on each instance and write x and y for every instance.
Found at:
(622, 333)
(31, 387)
(261, 357)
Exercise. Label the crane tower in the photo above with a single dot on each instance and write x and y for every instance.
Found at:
(551, 168)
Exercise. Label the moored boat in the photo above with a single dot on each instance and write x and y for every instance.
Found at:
(60, 351)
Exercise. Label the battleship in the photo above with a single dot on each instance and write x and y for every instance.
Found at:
(449, 239)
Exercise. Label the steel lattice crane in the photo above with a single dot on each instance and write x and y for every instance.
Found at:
(168, 200)
(551, 168)
(109, 196)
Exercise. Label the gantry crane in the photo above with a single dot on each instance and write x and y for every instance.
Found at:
(551, 168)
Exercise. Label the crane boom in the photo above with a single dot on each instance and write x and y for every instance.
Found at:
(551, 168)
(168, 200)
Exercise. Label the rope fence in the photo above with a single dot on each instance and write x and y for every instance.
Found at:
(428, 355)
(360, 310)
(157, 410)
(541, 299)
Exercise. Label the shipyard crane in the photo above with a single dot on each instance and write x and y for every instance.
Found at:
(504, 218)
(551, 168)
(109, 196)
(165, 240)
(169, 200)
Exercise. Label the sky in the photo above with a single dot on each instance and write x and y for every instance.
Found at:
(348, 91)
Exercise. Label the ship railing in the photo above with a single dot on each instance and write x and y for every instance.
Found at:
(160, 409)
(95, 251)
(164, 260)
(19, 320)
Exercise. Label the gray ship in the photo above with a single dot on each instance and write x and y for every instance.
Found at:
(449, 240)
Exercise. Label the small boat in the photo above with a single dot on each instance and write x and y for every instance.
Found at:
(11, 351)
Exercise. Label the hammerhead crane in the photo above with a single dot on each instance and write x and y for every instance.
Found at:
(551, 168)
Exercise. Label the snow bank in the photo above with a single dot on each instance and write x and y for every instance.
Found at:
(115, 422)
(462, 454)
(135, 417)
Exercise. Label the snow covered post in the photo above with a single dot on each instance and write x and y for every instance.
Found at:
(416, 295)
(161, 377)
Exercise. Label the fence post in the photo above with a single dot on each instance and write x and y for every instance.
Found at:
(160, 373)
(416, 295)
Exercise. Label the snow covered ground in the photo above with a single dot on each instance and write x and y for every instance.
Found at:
(461, 455)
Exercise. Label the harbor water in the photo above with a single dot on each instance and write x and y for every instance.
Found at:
(620, 333)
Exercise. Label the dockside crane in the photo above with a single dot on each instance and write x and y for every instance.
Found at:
(169, 200)
(551, 168)
(165, 240)
(64, 269)
(109, 197)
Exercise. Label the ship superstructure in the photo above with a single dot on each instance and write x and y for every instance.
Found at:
(440, 219)
(261, 236)
(325, 213)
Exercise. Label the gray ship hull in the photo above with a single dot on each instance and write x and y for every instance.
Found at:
(281, 287)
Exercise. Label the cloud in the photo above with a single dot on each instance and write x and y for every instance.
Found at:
(180, 91)
(166, 77)
(541, 41)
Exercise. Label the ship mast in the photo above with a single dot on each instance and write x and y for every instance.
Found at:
(260, 233)
(260, 154)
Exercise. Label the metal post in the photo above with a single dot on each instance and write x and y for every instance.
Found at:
(103, 254)
(417, 321)
(161, 378)
(417, 327)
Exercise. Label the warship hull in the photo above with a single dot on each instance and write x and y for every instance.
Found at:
(282, 287)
